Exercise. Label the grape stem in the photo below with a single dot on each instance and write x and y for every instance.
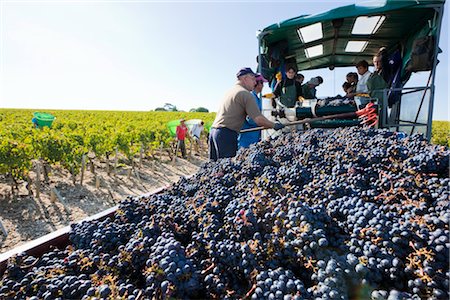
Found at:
(208, 269)
(250, 292)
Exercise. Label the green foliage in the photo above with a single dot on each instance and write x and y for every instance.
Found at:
(51, 145)
(441, 133)
(170, 107)
(199, 109)
(74, 133)
(14, 157)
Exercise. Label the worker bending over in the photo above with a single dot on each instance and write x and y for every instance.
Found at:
(236, 105)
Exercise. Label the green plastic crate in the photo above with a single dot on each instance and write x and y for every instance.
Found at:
(172, 126)
(43, 119)
(208, 126)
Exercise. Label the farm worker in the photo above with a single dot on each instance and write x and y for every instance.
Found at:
(300, 77)
(35, 123)
(181, 132)
(369, 83)
(362, 68)
(309, 89)
(196, 132)
(237, 104)
(248, 138)
(346, 87)
(382, 66)
(289, 90)
(352, 81)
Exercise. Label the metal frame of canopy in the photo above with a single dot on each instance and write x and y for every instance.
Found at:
(405, 21)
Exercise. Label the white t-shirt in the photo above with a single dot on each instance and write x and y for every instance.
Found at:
(197, 130)
(361, 87)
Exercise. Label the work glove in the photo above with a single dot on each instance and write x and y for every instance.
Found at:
(278, 126)
(269, 95)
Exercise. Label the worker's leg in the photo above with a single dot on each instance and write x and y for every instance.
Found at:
(197, 144)
(183, 148)
(225, 141)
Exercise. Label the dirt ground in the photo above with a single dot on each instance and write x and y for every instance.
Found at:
(27, 217)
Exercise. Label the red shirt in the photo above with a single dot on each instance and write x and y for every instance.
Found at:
(181, 132)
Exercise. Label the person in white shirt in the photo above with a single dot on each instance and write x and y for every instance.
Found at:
(196, 131)
(363, 70)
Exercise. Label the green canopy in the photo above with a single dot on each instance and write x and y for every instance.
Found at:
(401, 21)
(172, 126)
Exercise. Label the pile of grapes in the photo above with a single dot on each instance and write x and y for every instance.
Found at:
(336, 101)
(328, 214)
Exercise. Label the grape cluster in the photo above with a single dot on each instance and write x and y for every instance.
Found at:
(337, 101)
(325, 214)
(168, 271)
(279, 284)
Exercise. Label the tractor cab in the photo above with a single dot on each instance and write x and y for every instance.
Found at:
(406, 33)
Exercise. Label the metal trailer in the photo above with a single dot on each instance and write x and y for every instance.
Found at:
(430, 9)
(58, 239)
(324, 40)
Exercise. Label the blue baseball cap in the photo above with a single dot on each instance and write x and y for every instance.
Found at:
(245, 71)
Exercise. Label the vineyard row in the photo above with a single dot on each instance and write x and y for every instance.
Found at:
(75, 135)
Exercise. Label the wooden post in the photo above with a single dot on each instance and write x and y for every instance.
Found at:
(44, 168)
(116, 158)
(141, 155)
(29, 185)
(176, 153)
(130, 169)
(108, 167)
(137, 175)
(52, 196)
(38, 179)
(91, 165)
(74, 178)
(56, 195)
(83, 166)
(161, 150)
(97, 182)
(108, 187)
(153, 163)
(5, 232)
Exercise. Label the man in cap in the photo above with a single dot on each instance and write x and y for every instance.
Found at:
(309, 88)
(237, 104)
(248, 138)
(181, 132)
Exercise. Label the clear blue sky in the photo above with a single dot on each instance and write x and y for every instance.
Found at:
(138, 55)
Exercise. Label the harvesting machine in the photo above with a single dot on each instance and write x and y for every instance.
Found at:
(341, 37)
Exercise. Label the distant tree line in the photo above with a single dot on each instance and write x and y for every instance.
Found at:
(171, 107)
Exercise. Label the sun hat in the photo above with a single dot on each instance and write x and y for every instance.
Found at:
(259, 77)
